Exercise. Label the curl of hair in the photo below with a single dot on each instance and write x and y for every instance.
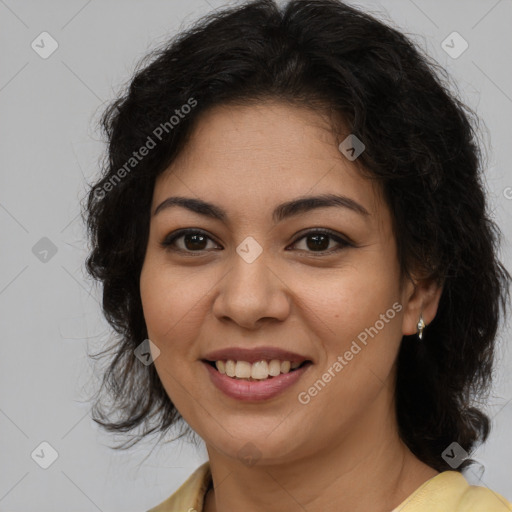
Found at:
(421, 146)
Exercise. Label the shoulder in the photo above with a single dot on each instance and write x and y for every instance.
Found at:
(482, 498)
(190, 495)
(449, 491)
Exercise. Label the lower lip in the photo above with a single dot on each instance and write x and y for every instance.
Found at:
(254, 390)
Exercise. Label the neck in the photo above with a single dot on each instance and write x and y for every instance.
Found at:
(368, 465)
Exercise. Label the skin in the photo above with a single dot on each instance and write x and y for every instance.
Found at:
(341, 451)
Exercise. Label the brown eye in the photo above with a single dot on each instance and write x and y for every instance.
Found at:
(319, 241)
(191, 241)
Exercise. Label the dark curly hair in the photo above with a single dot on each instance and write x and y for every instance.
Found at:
(421, 145)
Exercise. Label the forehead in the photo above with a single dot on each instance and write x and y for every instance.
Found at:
(261, 155)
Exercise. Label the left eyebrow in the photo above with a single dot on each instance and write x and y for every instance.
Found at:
(283, 211)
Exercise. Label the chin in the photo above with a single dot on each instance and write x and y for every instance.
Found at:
(256, 445)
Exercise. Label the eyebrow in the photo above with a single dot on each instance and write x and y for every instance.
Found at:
(283, 211)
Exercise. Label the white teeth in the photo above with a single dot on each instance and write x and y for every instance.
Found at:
(259, 370)
(230, 368)
(274, 368)
(243, 369)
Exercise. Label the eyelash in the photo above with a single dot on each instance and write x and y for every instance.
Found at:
(168, 242)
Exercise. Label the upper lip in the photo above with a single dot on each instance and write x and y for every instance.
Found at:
(252, 355)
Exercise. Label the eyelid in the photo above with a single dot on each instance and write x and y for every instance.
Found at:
(342, 240)
(338, 237)
(169, 240)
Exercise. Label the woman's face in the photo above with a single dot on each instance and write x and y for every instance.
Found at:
(258, 279)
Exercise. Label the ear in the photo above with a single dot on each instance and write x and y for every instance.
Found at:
(419, 296)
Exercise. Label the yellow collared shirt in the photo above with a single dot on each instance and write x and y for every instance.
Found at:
(448, 491)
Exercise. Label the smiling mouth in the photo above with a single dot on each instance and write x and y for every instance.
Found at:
(250, 379)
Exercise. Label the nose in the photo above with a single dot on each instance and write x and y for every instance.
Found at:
(250, 293)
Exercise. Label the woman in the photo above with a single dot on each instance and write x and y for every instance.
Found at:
(294, 241)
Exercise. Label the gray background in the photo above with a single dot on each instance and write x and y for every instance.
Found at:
(50, 314)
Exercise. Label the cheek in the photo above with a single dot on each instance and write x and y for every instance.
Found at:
(357, 318)
(345, 303)
(170, 306)
(172, 302)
